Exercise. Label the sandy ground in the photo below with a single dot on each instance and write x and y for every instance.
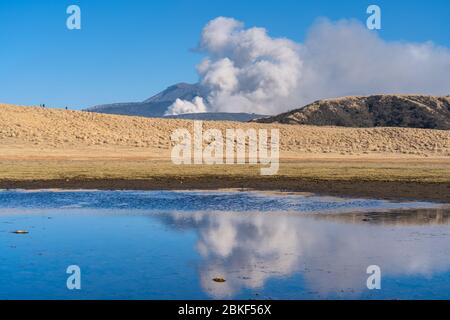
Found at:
(46, 148)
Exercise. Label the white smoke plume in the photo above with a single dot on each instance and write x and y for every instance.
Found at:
(246, 70)
(182, 106)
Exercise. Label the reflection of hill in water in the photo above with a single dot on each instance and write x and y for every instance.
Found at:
(399, 218)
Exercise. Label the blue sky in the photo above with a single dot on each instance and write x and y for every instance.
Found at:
(129, 50)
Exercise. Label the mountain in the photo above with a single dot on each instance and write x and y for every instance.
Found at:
(157, 105)
(183, 91)
(413, 111)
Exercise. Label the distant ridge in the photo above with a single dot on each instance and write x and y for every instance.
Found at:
(413, 111)
(218, 116)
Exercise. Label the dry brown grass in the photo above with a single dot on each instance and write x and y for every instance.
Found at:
(31, 129)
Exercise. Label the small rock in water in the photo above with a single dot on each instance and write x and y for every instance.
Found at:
(20, 232)
(221, 280)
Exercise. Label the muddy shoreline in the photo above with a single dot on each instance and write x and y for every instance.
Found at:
(389, 190)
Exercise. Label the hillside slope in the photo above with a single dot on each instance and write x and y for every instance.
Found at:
(413, 111)
(33, 128)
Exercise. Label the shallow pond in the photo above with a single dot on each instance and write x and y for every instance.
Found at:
(171, 245)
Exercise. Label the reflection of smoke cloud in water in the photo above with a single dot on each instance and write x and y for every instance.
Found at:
(253, 251)
(250, 249)
(247, 70)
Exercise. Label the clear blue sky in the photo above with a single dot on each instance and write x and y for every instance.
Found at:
(129, 50)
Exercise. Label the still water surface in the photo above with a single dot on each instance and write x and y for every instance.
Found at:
(170, 245)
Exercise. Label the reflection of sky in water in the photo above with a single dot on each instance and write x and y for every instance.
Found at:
(172, 244)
